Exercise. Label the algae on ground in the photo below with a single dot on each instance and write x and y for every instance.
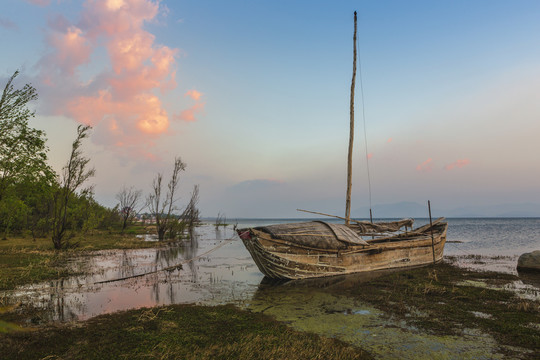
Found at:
(361, 324)
(176, 332)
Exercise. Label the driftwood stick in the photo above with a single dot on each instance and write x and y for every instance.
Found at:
(169, 268)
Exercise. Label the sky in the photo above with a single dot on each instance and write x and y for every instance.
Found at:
(254, 97)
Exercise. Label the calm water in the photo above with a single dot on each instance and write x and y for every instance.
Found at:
(216, 269)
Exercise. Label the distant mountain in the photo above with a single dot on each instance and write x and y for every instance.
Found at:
(416, 210)
(500, 210)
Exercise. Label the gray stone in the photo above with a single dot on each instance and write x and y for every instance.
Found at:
(529, 261)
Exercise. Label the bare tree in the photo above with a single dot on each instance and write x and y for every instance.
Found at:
(191, 214)
(162, 209)
(128, 200)
(74, 175)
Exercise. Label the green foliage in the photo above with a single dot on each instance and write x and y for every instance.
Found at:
(75, 174)
(13, 213)
(34, 200)
(25, 176)
(23, 153)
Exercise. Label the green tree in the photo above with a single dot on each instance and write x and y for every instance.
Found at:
(13, 212)
(23, 153)
(37, 196)
(74, 175)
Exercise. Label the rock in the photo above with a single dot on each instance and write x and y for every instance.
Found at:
(529, 261)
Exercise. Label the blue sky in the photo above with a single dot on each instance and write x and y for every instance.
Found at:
(254, 96)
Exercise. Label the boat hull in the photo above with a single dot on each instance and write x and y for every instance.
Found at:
(279, 259)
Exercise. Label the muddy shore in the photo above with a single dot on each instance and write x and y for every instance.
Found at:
(442, 311)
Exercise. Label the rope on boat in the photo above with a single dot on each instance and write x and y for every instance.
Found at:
(364, 121)
(170, 268)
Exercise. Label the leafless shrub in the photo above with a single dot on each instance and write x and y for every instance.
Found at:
(128, 200)
(191, 214)
(221, 220)
(162, 207)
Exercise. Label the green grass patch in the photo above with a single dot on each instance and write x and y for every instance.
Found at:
(20, 267)
(176, 332)
(24, 260)
(6, 327)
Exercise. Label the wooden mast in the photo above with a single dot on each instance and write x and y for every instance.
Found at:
(351, 136)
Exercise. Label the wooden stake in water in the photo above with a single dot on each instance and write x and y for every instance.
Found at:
(431, 223)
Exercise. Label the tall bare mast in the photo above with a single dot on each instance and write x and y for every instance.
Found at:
(351, 135)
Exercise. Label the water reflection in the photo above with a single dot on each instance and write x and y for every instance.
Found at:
(224, 276)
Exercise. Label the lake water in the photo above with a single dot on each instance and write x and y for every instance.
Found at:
(217, 269)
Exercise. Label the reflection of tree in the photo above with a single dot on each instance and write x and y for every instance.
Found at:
(126, 267)
(171, 256)
(220, 233)
(165, 257)
(58, 304)
(190, 251)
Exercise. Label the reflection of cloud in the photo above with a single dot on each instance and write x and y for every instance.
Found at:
(369, 156)
(457, 164)
(122, 97)
(426, 166)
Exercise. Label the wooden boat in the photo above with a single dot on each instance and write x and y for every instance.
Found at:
(318, 249)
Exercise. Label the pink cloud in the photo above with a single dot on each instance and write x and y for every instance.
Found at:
(389, 140)
(72, 50)
(369, 156)
(457, 164)
(189, 114)
(120, 101)
(426, 166)
(194, 94)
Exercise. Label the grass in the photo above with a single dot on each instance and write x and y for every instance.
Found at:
(20, 267)
(451, 299)
(176, 332)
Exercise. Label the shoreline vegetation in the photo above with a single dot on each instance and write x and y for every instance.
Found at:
(442, 299)
(26, 260)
